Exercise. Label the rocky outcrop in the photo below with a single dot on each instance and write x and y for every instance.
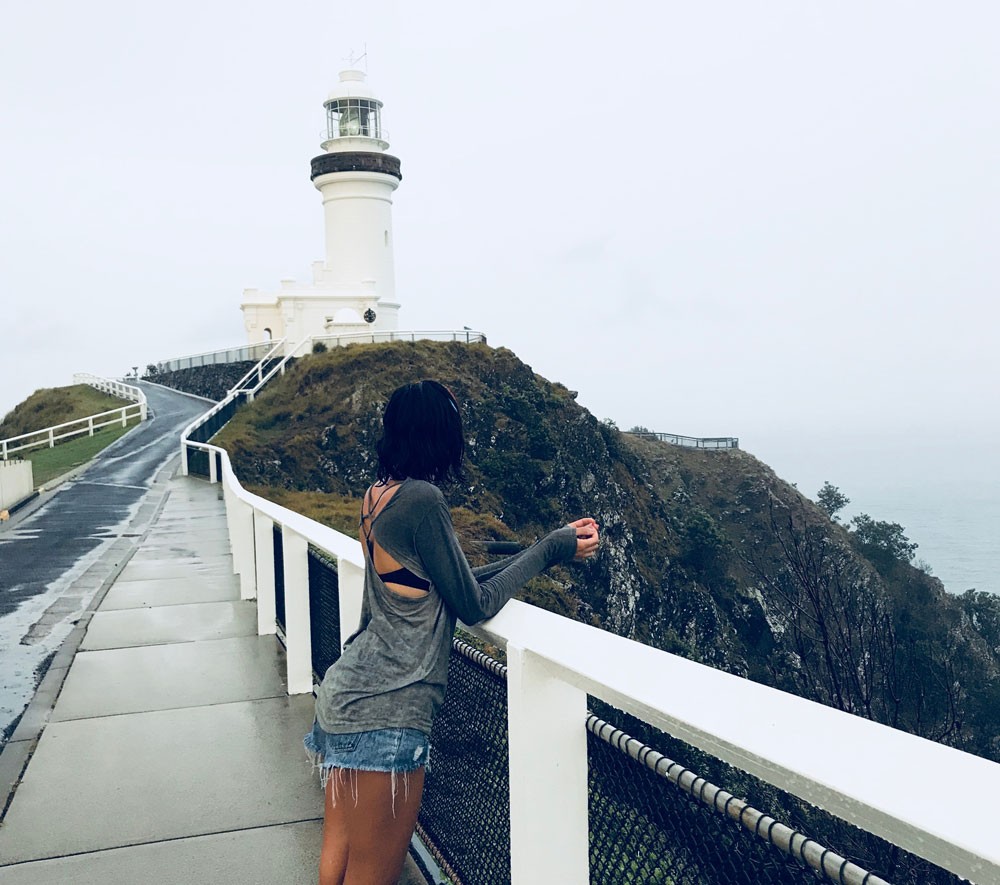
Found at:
(213, 382)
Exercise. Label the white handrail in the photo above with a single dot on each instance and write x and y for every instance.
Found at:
(258, 369)
(49, 436)
(235, 392)
(115, 388)
(212, 357)
(883, 780)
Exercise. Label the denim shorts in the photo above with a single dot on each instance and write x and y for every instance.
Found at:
(385, 749)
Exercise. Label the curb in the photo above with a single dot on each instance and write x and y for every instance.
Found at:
(20, 746)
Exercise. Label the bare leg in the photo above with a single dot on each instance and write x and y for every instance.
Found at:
(333, 854)
(378, 826)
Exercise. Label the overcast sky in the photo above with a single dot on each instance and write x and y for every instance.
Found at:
(766, 220)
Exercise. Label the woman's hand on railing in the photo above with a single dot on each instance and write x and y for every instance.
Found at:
(587, 538)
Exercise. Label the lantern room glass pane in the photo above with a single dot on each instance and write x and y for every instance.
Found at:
(350, 117)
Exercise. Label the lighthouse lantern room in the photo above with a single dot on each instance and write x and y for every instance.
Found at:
(353, 288)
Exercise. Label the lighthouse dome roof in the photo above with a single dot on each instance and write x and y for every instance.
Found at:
(352, 85)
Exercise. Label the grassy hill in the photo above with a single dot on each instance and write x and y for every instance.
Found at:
(50, 406)
(706, 554)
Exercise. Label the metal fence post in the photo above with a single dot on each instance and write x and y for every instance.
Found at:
(298, 641)
(263, 535)
(548, 774)
(351, 582)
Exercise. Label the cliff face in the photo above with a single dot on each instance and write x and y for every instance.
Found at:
(706, 554)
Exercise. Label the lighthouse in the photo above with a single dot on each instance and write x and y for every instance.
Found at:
(353, 289)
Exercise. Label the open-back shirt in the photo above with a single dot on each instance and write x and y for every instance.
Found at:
(394, 669)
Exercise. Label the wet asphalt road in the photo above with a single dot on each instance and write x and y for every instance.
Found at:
(87, 511)
(45, 556)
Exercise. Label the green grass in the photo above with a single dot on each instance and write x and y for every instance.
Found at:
(47, 464)
(56, 405)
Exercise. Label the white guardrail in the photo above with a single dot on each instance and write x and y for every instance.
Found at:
(216, 357)
(932, 800)
(49, 436)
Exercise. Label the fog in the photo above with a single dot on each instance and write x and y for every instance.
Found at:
(774, 221)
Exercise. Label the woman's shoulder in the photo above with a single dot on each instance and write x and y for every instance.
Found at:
(419, 491)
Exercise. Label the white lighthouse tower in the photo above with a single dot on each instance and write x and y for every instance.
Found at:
(353, 289)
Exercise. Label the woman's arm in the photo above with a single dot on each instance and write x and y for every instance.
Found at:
(474, 598)
(586, 546)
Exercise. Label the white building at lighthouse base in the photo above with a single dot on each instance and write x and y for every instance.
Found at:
(324, 307)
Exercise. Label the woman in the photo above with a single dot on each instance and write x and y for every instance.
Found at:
(376, 704)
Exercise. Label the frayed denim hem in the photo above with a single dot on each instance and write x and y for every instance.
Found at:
(392, 750)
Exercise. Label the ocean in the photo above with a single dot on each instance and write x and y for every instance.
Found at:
(944, 491)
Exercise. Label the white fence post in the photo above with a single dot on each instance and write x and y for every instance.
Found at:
(263, 536)
(298, 642)
(229, 499)
(351, 584)
(548, 774)
(212, 472)
(243, 553)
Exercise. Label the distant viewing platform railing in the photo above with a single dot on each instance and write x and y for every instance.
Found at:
(49, 436)
(466, 336)
(265, 349)
(696, 442)
(244, 353)
(554, 811)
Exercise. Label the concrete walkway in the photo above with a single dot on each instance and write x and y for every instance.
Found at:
(173, 754)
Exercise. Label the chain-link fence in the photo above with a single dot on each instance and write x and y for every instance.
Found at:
(324, 611)
(652, 819)
(198, 459)
(466, 810)
(279, 577)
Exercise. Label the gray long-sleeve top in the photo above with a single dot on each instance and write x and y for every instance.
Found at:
(394, 670)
